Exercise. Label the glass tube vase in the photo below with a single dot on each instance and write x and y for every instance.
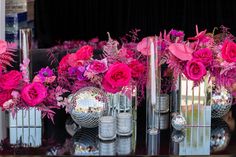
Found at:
(153, 87)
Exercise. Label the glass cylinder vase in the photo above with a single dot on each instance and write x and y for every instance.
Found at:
(153, 87)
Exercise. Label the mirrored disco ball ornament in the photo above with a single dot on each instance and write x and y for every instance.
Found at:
(221, 102)
(87, 105)
(220, 135)
(86, 142)
(177, 136)
(178, 122)
(71, 126)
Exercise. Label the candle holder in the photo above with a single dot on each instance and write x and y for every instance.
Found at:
(152, 87)
(163, 100)
(107, 128)
(107, 148)
(124, 145)
(124, 124)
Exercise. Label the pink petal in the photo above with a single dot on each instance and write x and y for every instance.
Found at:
(144, 46)
(181, 51)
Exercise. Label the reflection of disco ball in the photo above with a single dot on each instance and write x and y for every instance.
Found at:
(177, 136)
(220, 135)
(71, 126)
(86, 142)
(88, 104)
(221, 102)
(178, 122)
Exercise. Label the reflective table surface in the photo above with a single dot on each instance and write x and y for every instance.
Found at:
(66, 138)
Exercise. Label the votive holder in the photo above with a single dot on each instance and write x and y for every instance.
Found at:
(107, 128)
(107, 148)
(124, 124)
(163, 99)
(124, 145)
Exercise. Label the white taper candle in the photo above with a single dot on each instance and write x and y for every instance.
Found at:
(153, 73)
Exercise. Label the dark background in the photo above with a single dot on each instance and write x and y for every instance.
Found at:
(59, 20)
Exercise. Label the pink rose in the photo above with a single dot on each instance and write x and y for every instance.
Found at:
(10, 80)
(84, 53)
(108, 87)
(229, 51)
(181, 51)
(195, 70)
(73, 61)
(5, 96)
(137, 69)
(118, 75)
(204, 55)
(63, 65)
(34, 93)
(98, 66)
(3, 46)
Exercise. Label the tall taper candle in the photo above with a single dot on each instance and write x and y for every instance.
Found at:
(153, 73)
(25, 47)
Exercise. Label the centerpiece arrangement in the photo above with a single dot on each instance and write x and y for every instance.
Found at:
(84, 76)
(17, 92)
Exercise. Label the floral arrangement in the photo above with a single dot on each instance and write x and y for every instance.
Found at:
(17, 92)
(118, 69)
(206, 54)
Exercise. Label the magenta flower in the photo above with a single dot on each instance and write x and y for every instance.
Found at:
(34, 93)
(195, 70)
(77, 72)
(204, 55)
(98, 66)
(118, 75)
(176, 33)
(229, 51)
(45, 73)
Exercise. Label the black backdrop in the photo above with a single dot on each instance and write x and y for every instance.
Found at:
(59, 20)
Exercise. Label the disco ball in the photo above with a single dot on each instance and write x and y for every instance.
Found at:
(86, 142)
(221, 102)
(71, 126)
(220, 135)
(87, 105)
(178, 122)
(177, 136)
